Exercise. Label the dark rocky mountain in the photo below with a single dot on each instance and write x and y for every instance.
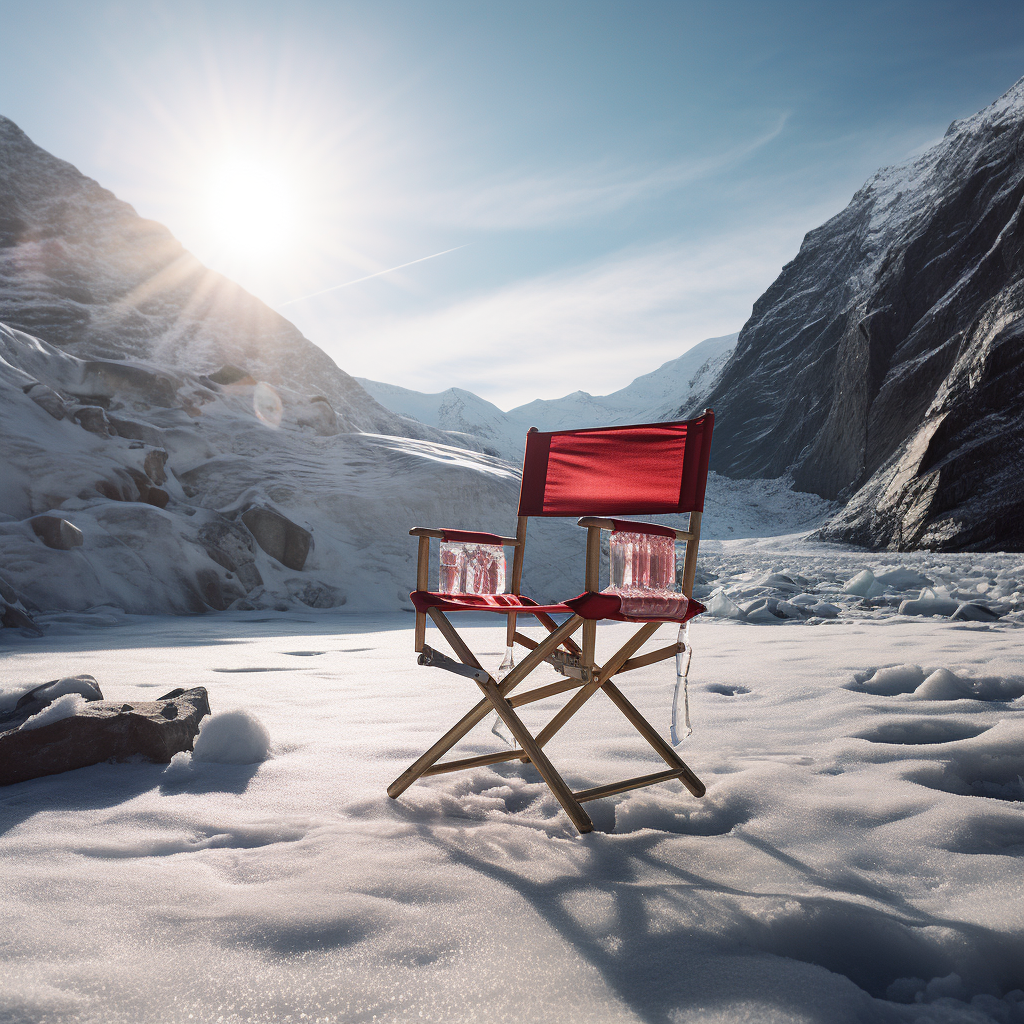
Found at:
(885, 365)
(80, 269)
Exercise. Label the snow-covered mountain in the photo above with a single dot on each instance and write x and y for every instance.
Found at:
(81, 270)
(886, 363)
(658, 395)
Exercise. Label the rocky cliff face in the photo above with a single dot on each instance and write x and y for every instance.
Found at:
(886, 363)
(80, 269)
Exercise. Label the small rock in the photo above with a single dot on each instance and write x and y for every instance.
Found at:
(48, 399)
(278, 537)
(230, 374)
(15, 618)
(156, 496)
(56, 533)
(94, 419)
(154, 464)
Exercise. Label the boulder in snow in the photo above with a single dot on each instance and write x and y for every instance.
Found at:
(56, 532)
(278, 536)
(94, 419)
(102, 731)
(46, 398)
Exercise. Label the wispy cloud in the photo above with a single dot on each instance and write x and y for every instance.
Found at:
(529, 199)
(594, 328)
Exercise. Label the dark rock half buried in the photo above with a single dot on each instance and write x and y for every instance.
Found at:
(102, 731)
(886, 363)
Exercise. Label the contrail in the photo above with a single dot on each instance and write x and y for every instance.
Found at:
(359, 280)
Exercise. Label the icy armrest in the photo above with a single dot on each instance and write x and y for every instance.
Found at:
(464, 536)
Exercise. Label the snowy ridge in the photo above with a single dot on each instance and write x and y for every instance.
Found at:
(659, 395)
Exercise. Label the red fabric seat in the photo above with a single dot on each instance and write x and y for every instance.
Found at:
(588, 605)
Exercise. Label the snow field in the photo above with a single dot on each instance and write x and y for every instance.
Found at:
(857, 856)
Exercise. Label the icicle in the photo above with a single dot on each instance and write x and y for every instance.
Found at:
(498, 727)
(682, 671)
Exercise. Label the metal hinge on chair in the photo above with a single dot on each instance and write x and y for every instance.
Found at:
(569, 665)
(428, 656)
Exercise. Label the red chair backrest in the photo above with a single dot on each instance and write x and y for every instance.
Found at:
(607, 471)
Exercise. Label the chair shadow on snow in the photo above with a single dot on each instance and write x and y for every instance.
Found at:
(659, 959)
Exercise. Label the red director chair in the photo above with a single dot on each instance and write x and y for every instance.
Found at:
(598, 473)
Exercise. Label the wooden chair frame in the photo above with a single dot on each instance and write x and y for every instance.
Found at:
(577, 662)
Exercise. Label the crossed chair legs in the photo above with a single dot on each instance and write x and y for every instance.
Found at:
(496, 697)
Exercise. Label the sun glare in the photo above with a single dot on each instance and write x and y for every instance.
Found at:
(250, 207)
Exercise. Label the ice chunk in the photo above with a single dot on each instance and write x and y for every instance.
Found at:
(641, 560)
(928, 604)
(769, 609)
(453, 568)
(823, 610)
(468, 568)
(682, 688)
(975, 613)
(723, 607)
(864, 584)
(902, 578)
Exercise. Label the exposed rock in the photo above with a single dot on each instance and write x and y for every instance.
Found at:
(230, 374)
(156, 496)
(315, 594)
(94, 419)
(103, 731)
(154, 464)
(15, 618)
(125, 381)
(48, 399)
(231, 545)
(56, 533)
(278, 536)
(39, 697)
(218, 593)
(7, 592)
(887, 360)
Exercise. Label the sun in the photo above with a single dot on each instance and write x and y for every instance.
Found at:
(250, 207)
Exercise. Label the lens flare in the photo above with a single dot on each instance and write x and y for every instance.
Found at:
(267, 405)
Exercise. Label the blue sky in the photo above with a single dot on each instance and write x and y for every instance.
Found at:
(617, 180)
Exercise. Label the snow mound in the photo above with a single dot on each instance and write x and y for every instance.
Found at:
(232, 737)
(63, 707)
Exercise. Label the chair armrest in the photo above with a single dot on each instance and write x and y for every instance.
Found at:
(465, 536)
(627, 524)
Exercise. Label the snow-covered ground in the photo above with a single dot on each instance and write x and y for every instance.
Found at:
(857, 856)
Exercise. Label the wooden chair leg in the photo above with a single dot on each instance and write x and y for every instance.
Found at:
(649, 733)
(479, 712)
(562, 793)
